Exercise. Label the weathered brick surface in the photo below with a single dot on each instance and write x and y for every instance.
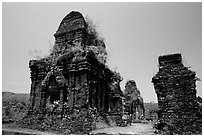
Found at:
(72, 78)
(175, 86)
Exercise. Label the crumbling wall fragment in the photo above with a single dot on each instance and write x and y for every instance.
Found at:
(175, 86)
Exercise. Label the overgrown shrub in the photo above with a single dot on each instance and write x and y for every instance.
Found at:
(77, 122)
(14, 107)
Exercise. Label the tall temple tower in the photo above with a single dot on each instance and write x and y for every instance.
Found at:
(71, 76)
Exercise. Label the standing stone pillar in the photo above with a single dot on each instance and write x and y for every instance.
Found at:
(93, 91)
(69, 89)
(99, 94)
(106, 97)
(32, 97)
(72, 91)
(102, 94)
(89, 90)
(61, 101)
(174, 84)
(43, 101)
(85, 90)
(93, 94)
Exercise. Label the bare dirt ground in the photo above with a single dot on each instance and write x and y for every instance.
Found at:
(133, 129)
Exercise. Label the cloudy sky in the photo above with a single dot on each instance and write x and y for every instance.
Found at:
(135, 35)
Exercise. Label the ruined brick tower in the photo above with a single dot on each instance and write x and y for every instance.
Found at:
(73, 74)
(175, 86)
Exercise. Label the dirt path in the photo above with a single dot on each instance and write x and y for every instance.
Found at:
(134, 129)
